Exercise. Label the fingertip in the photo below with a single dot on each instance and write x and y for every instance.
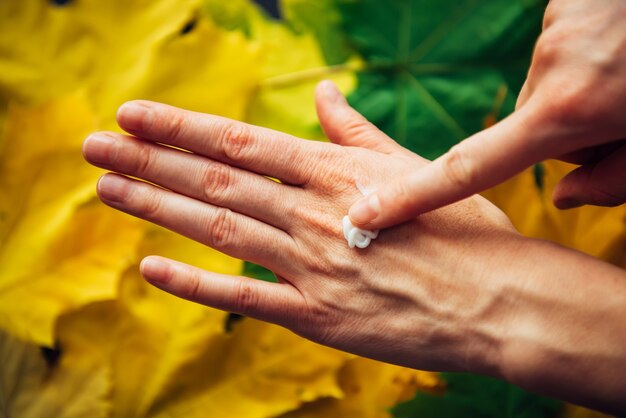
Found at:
(567, 193)
(328, 91)
(563, 198)
(113, 189)
(156, 270)
(366, 210)
(134, 116)
(98, 148)
(328, 101)
(567, 203)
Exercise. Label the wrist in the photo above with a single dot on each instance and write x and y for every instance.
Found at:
(561, 321)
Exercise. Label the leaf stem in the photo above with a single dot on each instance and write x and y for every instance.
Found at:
(310, 74)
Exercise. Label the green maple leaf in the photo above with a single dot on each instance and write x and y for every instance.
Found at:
(478, 397)
(438, 71)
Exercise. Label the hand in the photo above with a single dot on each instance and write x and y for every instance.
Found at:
(570, 108)
(403, 300)
(450, 290)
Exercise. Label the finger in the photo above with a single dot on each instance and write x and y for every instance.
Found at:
(226, 231)
(192, 175)
(602, 183)
(272, 302)
(592, 154)
(482, 161)
(238, 144)
(345, 126)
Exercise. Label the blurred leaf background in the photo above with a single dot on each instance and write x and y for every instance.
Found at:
(82, 335)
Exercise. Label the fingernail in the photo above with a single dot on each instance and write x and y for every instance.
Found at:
(568, 203)
(331, 91)
(365, 210)
(98, 148)
(134, 116)
(155, 271)
(112, 188)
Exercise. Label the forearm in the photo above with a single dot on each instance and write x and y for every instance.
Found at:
(563, 319)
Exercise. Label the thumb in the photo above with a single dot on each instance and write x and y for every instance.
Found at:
(602, 183)
(481, 161)
(345, 126)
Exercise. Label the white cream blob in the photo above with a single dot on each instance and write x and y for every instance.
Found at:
(358, 237)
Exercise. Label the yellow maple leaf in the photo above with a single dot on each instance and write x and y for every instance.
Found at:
(53, 257)
(595, 230)
(261, 370)
(207, 70)
(159, 341)
(48, 51)
(169, 356)
(47, 237)
(294, 65)
(150, 354)
(370, 389)
(71, 381)
(175, 357)
(290, 66)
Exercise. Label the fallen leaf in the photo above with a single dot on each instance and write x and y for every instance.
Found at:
(50, 50)
(527, 201)
(53, 257)
(370, 388)
(71, 380)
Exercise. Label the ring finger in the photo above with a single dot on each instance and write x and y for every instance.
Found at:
(229, 232)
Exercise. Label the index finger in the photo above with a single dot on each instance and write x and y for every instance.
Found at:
(253, 148)
(476, 164)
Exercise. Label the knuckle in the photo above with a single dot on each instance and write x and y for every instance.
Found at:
(549, 46)
(174, 125)
(246, 299)
(152, 204)
(358, 127)
(191, 289)
(292, 209)
(574, 99)
(144, 161)
(318, 326)
(235, 141)
(216, 182)
(333, 165)
(458, 169)
(220, 228)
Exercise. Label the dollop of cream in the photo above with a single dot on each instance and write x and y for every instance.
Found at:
(358, 237)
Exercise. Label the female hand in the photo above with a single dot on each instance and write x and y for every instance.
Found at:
(570, 108)
(445, 291)
(404, 293)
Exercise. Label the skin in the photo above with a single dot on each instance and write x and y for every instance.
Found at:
(570, 108)
(450, 290)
